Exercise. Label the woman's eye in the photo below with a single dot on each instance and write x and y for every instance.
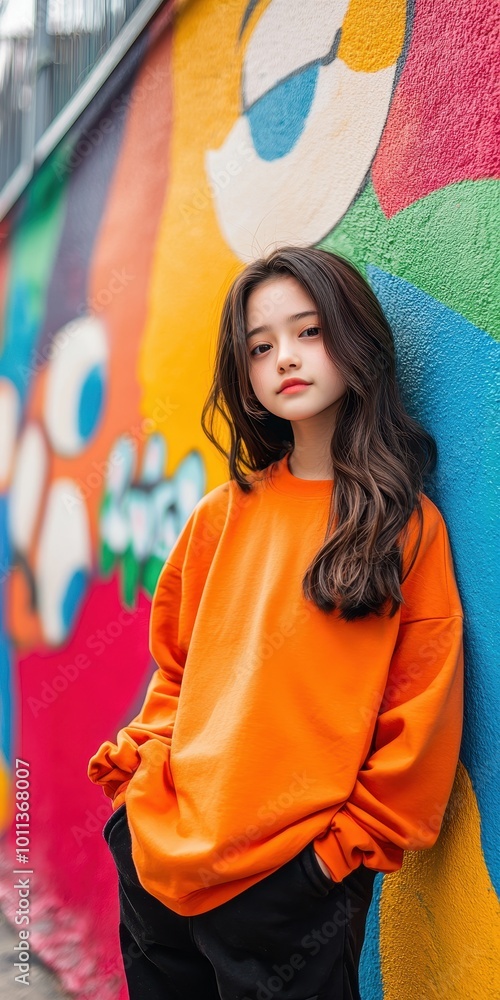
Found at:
(310, 329)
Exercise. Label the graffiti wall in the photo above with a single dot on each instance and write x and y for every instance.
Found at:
(367, 129)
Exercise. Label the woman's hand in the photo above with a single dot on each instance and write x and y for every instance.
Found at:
(323, 867)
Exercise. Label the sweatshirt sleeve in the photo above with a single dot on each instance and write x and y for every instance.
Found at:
(113, 765)
(402, 789)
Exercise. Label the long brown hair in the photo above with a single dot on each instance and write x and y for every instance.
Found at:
(379, 453)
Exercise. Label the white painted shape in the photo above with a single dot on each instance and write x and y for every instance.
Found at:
(64, 548)
(142, 523)
(28, 484)
(76, 349)
(115, 529)
(300, 197)
(153, 460)
(122, 460)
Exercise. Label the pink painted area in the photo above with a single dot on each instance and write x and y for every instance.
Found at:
(74, 900)
(443, 125)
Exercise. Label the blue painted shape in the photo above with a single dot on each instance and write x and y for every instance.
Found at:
(91, 402)
(277, 119)
(370, 973)
(449, 372)
(6, 699)
(73, 597)
(17, 359)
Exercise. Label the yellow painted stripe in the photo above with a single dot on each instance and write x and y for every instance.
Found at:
(440, 916)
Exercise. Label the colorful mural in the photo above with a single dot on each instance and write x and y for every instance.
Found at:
(368, 129)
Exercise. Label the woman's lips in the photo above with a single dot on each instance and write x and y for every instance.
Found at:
(294, 388)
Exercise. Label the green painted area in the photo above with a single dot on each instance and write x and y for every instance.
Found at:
(34, 242)
(446, 244)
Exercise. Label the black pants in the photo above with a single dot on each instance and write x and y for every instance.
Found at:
(295, 934)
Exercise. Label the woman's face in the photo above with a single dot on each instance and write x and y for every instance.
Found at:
(284, 344)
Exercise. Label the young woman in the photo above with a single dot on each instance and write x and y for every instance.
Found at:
(303, 725)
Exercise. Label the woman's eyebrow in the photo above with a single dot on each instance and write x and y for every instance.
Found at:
(290, 319)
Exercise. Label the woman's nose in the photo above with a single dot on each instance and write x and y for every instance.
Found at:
(285, 357)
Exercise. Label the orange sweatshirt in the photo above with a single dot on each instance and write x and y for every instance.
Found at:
(268, 723)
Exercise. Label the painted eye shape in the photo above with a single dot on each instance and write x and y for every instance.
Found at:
(29, 477)
(76, 385)
(278, 92)
(279, 117)
(64, 559)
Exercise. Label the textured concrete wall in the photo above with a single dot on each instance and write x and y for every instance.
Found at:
(365, 128)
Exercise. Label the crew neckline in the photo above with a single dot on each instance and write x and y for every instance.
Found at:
(282, 480)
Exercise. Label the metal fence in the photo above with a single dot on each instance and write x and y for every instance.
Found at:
(49, 51)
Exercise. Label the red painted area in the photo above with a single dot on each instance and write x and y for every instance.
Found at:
(443, 124)
(72, 701)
